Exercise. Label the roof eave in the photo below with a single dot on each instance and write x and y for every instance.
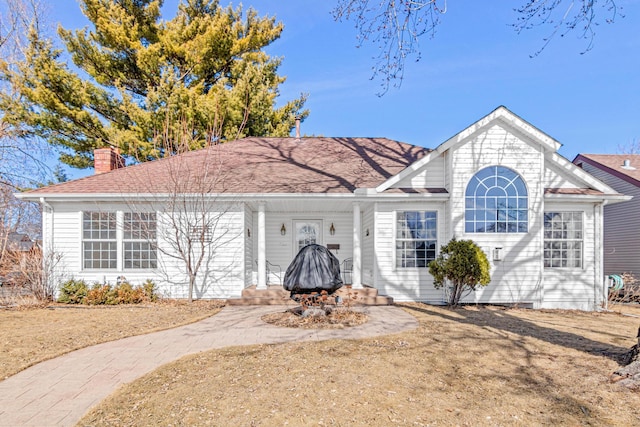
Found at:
(608, 198)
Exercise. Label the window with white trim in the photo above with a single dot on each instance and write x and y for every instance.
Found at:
(496, 202)
(99, 244)
(563, 239)
(416, 238)
(139, 240)
(116, 240)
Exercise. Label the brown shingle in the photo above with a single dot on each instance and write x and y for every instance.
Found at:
(259, 165)
(614, 164)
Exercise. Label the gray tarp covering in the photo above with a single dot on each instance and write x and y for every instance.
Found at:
(313, 269)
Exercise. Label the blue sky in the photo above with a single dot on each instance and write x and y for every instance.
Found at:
(476, 62)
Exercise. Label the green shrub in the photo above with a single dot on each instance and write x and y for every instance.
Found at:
(150, 290)
(127, 294)
(100, 294)
(78, 292)
(73, 292)
(463, 265)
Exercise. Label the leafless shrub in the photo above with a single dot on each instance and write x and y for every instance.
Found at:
(31, 272)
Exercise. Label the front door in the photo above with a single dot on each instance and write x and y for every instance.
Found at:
(307, 232)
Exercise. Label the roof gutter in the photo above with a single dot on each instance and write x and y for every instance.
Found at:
(358, 195)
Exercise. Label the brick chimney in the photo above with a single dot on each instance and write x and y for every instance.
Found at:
(107, 159)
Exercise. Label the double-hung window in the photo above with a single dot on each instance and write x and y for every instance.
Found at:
(139, 240)
(416, 238)
(563, 239)
(99, 244)
(119, 240)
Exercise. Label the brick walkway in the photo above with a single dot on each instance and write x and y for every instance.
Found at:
(60, 391)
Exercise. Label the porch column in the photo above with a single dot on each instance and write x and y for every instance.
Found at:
(356, 276)
(262, 248)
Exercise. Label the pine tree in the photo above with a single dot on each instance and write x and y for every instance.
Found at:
(138, 76)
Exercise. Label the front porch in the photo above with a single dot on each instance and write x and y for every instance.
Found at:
(278, 229)
(276, 295)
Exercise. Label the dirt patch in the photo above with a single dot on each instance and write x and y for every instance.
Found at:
(337, 318)
(32, 333)
(473, 366)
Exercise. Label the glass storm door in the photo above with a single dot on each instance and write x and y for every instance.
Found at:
(307, 232)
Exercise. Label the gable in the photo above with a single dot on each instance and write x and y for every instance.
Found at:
(431, 175)
(501, 131)
(500, 138)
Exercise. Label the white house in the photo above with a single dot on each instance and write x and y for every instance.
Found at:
(385, 205)
(621, 221)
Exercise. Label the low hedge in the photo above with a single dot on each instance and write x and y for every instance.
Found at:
(79, 292)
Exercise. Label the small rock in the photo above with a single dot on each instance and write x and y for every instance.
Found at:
(314, 312)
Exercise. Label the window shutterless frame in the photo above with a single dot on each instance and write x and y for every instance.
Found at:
(416, 238)
(119, 241)
(563, 239)
(496, 201)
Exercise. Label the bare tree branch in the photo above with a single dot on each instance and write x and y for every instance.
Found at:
(396, 26)
(21, 159)
(565, 16)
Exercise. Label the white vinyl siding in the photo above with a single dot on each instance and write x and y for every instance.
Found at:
(431, 176)
(555, 177)
(403, 284)
(517, 277)
(578, 288)
(249, 233)
(220, 277)
(368, 257)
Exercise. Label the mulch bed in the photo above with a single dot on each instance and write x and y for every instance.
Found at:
(337, 318)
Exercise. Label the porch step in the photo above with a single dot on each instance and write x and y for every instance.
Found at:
(276, 295)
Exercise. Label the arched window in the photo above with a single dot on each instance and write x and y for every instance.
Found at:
(496, 202)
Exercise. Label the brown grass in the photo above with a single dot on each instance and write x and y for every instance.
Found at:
(30, 334)
(470, 366)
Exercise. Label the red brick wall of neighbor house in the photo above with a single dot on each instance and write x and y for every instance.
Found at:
(107, 159)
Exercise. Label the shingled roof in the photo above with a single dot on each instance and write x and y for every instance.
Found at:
(615, 165)
(258, 165)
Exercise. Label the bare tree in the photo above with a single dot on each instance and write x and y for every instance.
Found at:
(30, 271)
(632, 147)
(396, 26)
(192, 225)
(22, 160)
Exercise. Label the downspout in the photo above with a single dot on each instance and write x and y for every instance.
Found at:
(599, 252)
(49, 208)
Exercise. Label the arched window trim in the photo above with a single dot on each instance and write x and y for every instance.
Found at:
(496, 201)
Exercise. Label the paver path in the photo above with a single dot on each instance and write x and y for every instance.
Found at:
(60, 391)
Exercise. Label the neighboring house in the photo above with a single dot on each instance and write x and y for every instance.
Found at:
(621, 221)
(14, 248)
(18, 243)
(384, 205)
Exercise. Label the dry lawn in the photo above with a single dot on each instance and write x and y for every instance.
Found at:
(34, 334)
(474, 366)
